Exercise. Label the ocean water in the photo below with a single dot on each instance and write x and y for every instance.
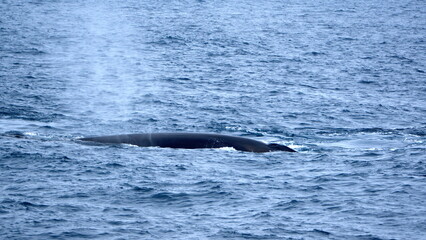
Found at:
(342, 82)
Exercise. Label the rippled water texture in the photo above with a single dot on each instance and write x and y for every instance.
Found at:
(342, 82)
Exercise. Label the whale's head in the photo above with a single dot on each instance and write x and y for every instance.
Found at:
(279, 147)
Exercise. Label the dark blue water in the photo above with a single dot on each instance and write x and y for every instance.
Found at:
(343, 82)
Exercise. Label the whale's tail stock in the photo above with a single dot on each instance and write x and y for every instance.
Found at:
(279, 147)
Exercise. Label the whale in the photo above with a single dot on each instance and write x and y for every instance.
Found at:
(189, 141)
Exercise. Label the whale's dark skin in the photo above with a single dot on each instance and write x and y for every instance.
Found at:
(190, 141)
